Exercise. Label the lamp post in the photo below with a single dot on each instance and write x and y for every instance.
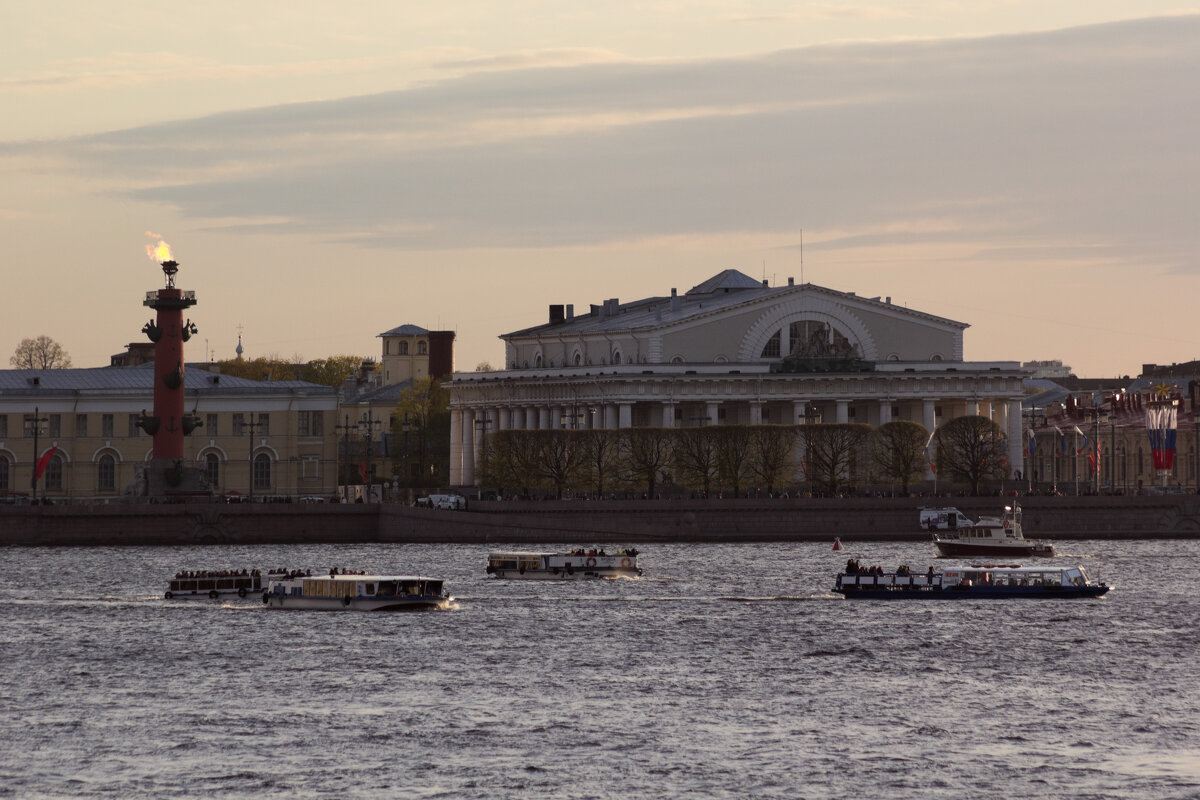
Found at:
(345, 429)
(34, 423)
(368, 427)
(251, 426)
(405, 426)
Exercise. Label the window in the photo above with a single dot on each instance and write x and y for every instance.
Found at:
(210, 424)
(302, 426)
(4, 473)
(422, 348)
(80, 425)
(135, 430)
(106, 473)
(3, 426)
(54, 474)
(262, 471)
(106, 425)
(578, 358)
(771, 349)
(239, 423)
(212, 470)
(404, 348)
(55, 426)
(264, 424)
(317, 423)
(310, 467)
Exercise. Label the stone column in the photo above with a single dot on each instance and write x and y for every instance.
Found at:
(885, 411)
(468, 448)
(710, 413)
(625, 415)
(543, 418)
(668, 414)
(843, 412)
(505, 419)
(928, 415)
(610, 416)
(756, 412)
(1016, 441)
(456, 447)
(972, 409)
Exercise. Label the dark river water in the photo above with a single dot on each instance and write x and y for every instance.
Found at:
(727, 671)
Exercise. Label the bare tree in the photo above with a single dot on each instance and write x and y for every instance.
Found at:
(602, 452)
(40, 353)
(971, 450)
(735, 452)
(830, 451)
(647, 451)
(694, 457)
(773, 449)
(898, 451)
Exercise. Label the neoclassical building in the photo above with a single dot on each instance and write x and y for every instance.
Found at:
(732, 350)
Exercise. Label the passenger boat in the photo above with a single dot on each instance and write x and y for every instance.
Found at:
(575, 565)
(357, 592)
(999, 537)
(977, 581)
(216, 584)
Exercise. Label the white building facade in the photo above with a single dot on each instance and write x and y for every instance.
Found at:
(730, 351)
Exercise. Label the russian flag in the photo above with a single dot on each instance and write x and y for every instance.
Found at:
(1084, 446)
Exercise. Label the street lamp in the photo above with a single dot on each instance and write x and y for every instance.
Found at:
(345, 429)
(405, 427)
(251, 426)
(34, 423)
(368, 427)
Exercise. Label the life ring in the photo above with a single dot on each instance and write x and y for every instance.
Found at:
(242, 592)
(591, 562)
(213, 595)
(168, 595)
(346, 601)
(626, 563)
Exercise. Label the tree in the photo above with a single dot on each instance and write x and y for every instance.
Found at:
(647, 451)
(694, 457)
(971, 450)
(830, 450)
(484, 366)
(898, 451)
(40, 353)
(426, 407)
(560, 455)
(735, 452)
(331, 371)
(602, 450)
(772, 454)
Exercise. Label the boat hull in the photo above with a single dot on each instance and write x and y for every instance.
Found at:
(356, 603)
(970, 592)
(949, 548)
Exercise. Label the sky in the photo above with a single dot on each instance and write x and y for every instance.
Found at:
(324, 172)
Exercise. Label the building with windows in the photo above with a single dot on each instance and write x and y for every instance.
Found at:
(732, 350)
(86, 425)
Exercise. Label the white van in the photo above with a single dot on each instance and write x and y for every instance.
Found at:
(451, 502)
(944, 519)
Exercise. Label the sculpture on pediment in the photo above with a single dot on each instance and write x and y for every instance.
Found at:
(818, 347)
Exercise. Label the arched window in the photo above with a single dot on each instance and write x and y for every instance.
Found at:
(771, 349)
(537, 361)
(578, 358)
(422, 348)
(106, 473)
(4, 473)
(616, 359)
(54, 474)
(262, 471)
(404, 348)
(676, 359)
(212, 470)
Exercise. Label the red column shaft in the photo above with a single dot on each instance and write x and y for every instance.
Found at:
(168, 402)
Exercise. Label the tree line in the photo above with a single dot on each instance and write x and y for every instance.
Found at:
(737, 459)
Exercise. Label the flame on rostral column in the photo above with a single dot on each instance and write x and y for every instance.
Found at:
(158, 252)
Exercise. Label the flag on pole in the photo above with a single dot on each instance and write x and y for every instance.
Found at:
(1032, 442)
(929, 455)
(1083, 446)
(1062, 440)
(44, 461)
(1161, 420)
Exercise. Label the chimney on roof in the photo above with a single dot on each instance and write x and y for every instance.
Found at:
(570, 311)
(676, 300)
(765, 284)
(557, 315)
(791, 281)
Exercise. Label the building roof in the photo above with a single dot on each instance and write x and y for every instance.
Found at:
(405, 330)
(724, 290)
(378, 395)
(140, 378)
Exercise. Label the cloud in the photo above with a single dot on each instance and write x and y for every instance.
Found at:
(1082, 134)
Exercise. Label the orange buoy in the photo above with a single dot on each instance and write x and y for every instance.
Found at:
(837, 543)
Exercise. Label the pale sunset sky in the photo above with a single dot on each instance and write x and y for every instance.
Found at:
(326, 171)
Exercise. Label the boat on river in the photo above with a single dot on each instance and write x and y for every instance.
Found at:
(346, 591)
(977, 581)
(994, 537)
(575, 565)
(217, 584)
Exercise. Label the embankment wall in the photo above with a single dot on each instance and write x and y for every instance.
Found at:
(581, 522)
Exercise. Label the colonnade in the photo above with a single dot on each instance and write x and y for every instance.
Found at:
(470, 423)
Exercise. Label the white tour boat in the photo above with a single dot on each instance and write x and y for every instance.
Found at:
(217, 584)
(1000, 537)
(357, 592)
(575, 565)
(976, 581)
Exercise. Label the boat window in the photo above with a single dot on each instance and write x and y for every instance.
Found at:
(411, 588)
(433, 587)
(205, 586)
(387, 587)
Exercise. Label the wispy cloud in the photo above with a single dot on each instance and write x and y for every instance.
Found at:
(1043, 138)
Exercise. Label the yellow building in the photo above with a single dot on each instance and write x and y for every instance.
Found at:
(84, 423)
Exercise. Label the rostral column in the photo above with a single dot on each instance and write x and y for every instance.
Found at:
(169, 423)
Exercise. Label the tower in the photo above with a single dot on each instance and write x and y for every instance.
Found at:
(169, 423)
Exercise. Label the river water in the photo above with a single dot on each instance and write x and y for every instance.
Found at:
(727, 671)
